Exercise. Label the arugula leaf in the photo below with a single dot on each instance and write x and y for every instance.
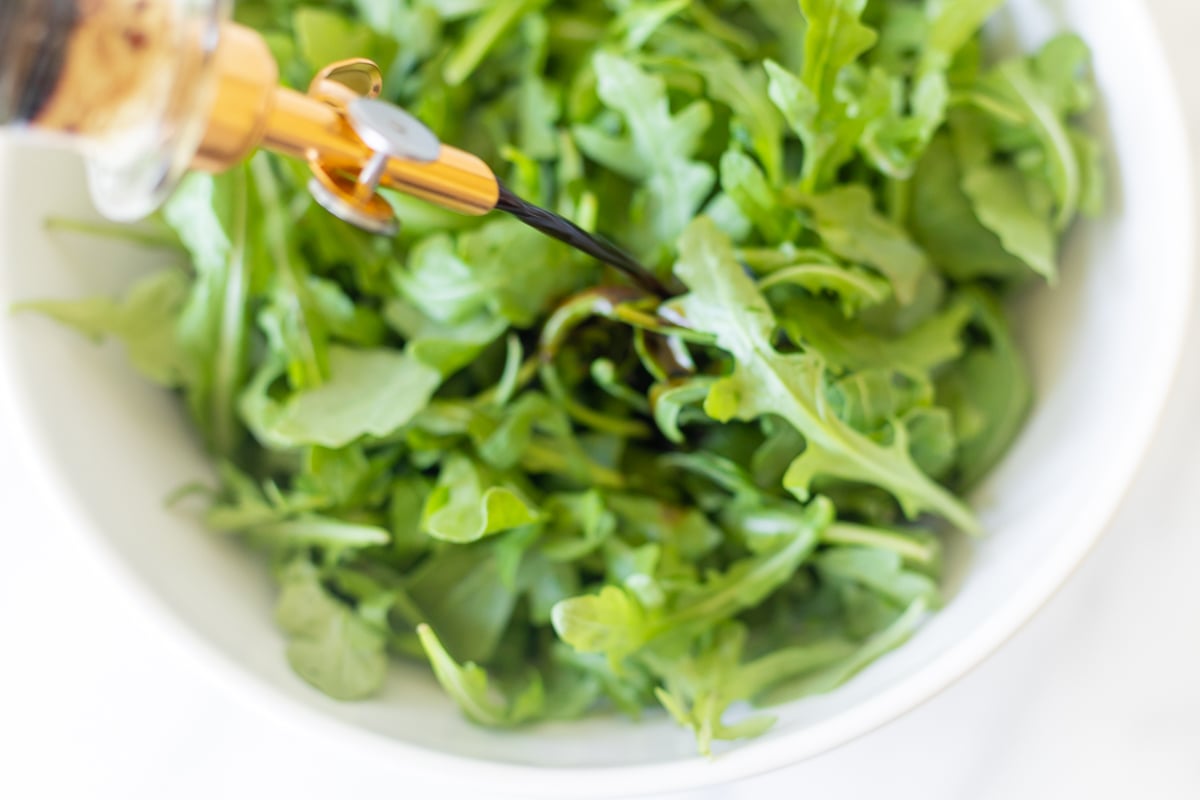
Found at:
(881, 571)
(638, 21)
(839, 672)
(369, 393)
(578, 524)
(952, 24)
(325, 36)
(502, 267)
(469, 686)
(144, 321)
(990, 392)
(850, 226)
(869, 399)
(330, 646)
(998, 195)
(743, 88)
(611, 622)
(835, 38)
(749, 581)
(288, 321)
(933, 440)
(658, 147)
(461, 593)
(483, 36)
(698, 689)
(671, 402)
(446, 347)
(943, 221)
(1017, 83)
(192, 335)
(916, 547)
(725, 302)
(746, 185)
(461, 510)
(894, 141)
(855, 287)
(330, 533)
(615, 623)
(936, 341)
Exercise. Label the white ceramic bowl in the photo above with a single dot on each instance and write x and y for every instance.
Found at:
(109, 448)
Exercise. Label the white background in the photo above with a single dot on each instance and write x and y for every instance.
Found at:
(1099, 697)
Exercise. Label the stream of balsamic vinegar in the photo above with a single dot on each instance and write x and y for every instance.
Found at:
(571, 234)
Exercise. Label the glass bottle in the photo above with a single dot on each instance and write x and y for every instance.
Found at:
(127, 83)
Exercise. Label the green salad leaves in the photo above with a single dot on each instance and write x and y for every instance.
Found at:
(474, 447)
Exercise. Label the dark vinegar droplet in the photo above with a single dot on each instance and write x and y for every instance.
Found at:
(571, 234)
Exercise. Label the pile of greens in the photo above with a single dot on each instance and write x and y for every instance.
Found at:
(473, 446)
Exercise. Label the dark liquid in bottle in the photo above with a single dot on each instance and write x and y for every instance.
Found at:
(569, 233)
(33, 45)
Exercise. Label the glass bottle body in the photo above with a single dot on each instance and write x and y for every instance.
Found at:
(127, 83)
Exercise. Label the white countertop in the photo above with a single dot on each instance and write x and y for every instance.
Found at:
(1099, 697)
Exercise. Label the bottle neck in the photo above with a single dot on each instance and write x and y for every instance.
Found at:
(34, 44)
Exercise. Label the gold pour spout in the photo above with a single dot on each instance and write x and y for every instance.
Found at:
(353, 142)
(150, 89)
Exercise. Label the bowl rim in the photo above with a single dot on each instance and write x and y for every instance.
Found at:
(748, 760)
